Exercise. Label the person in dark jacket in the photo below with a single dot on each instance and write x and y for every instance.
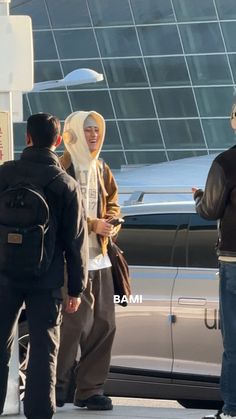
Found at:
(218, 202)
(39, 165)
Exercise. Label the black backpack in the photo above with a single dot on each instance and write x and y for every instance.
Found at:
(27, 231)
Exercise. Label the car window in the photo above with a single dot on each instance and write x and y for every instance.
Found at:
(149, 239)
(201, 243)
(179, 249)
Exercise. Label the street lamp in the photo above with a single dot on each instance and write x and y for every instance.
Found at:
(75, 77)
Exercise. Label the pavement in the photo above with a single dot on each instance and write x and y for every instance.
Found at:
(132, 409)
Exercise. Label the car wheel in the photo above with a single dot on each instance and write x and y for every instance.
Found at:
(23, 342)
(201, 404)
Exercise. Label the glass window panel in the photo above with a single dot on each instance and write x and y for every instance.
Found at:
(201, 37)
(159, 40)
(19, 135)
(182, 134)
(44, 46)
(209, 69)
(190, 10)
(114, 159)
(26, 110)
(176, 155)
(218, 133)
(214, 101)
(47, 70)
(55, 103)
(96, 100)
(35, 9)
(126, 72)
(177, 103)
(68, 13)
(202, 238)
(112, 138)
(133, 103)
(95, 65)
(140, 134)
(76, 43)
(145, 157)
(232, 59)
(149, 240)
(107, 13)
(229, 31)
(226, 9)
(152, 11)
(167, 71)
(118, 42)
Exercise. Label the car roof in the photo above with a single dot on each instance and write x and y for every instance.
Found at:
(159, 208)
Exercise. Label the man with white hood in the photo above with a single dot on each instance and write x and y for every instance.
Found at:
(93, 326)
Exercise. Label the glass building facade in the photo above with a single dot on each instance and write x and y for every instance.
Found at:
(169, 71)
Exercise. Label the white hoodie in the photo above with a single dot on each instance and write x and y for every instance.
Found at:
(85, 166)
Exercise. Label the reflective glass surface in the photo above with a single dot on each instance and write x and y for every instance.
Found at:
(152, 11)
(194, 38)
(56, 103)
(68, 13)
(183, 134)
(47, 70)
(159, 40)
(226, 9)
(120, 42)
(35, 9)
(26, 109)
(175, 103)
(133, 103)
(140, 134)
(192, 10)
(167, 71)
(44, 46)
(229, 29)
(115, 159)
(89, 100)
(218, 133)
(19, 134)
(109, 13)
(142, 157)
(112, 138)
(209, 69)
(125, 72)
(176, 155)
(214, 101)
(76, 43)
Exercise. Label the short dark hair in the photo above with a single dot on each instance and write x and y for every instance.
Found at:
(43, 128)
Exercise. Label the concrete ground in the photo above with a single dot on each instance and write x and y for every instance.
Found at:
(132, 409)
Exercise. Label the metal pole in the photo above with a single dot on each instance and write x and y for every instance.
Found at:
(6, 98)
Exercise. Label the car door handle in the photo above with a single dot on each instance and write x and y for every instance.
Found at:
(192, 301)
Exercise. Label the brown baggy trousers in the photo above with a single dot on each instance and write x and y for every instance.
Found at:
(92, 328)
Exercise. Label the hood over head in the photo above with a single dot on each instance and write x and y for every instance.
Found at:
(74, 138)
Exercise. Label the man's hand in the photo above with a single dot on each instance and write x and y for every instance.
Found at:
(72, 304)
(103, 228)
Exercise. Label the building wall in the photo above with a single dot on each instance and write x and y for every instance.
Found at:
(169, 72)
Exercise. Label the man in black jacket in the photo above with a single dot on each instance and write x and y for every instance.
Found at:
(218, 202)
(39, 165)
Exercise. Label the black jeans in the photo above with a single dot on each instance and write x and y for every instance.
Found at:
(43, 310)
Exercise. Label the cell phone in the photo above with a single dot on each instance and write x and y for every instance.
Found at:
(116, 221)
